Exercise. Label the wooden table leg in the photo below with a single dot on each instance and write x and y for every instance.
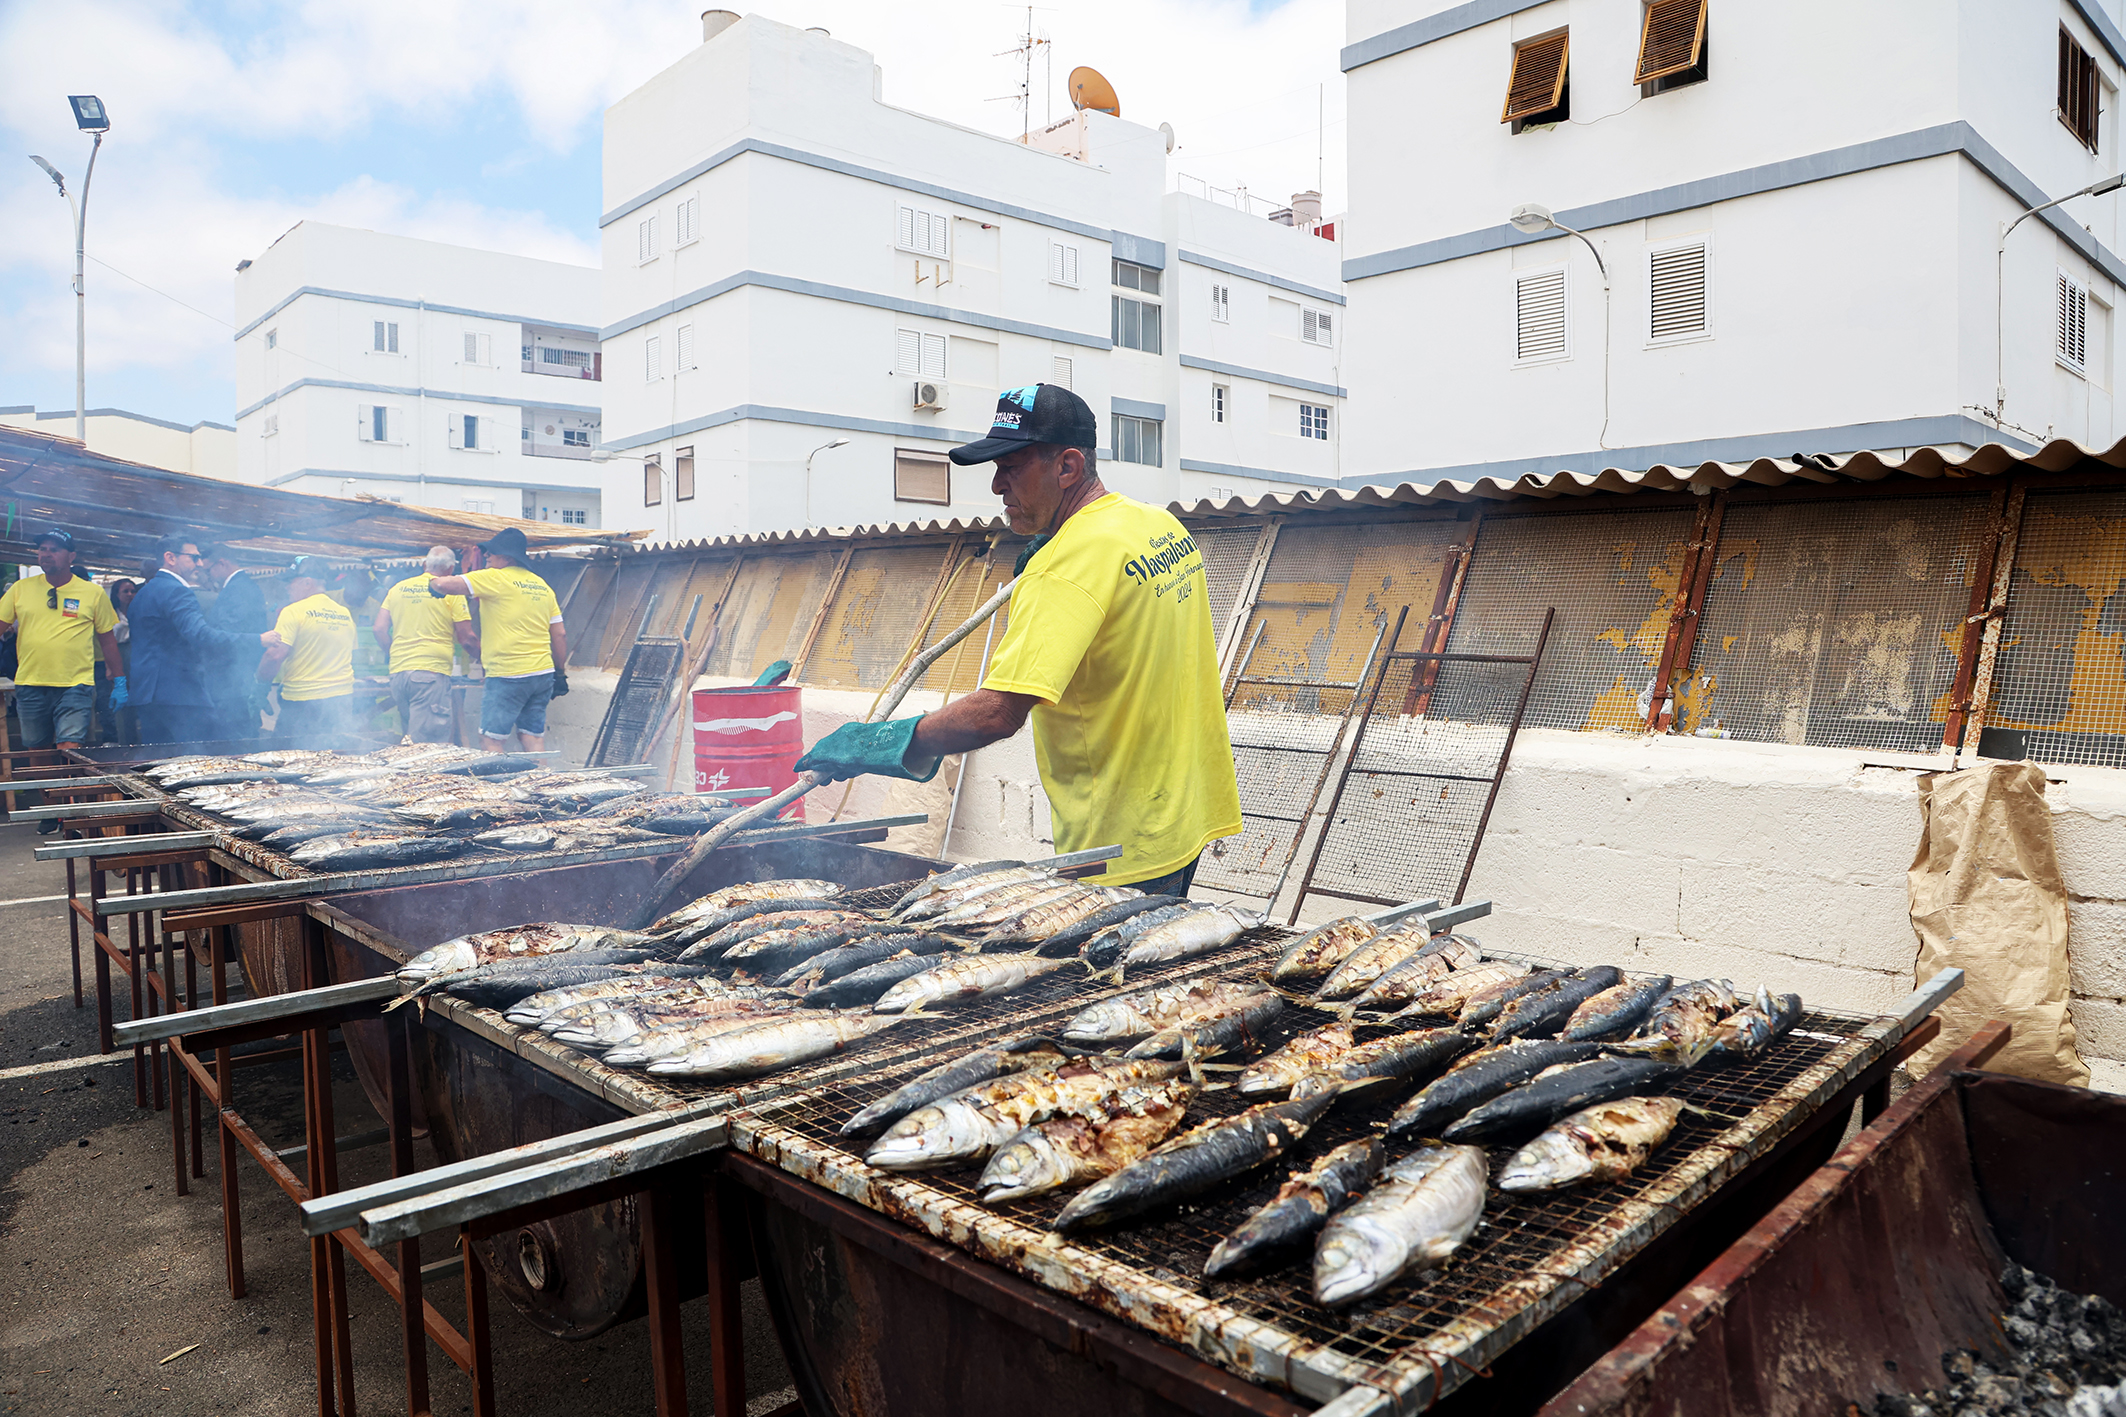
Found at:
(668, 1375)
(727, 1345)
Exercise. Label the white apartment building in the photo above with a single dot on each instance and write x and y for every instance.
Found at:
(810, 295)
(420, 372)
(1800, 237)
(206, 448)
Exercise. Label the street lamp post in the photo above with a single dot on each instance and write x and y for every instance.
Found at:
(823, 447)
(89, 117)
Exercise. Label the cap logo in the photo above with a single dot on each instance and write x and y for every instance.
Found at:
(1022, 396)
(1006, 418)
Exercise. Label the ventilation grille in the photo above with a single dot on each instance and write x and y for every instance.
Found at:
(1678, 285)
(2074, 322)
(1539, 315)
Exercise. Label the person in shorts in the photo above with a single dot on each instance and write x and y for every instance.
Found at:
(420, 633)
(522, 643)
(310, 653)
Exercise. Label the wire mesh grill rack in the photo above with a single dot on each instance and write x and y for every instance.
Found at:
(638, 701)
(1613, 577)
(1835, 623)
(769, 611)
(2061, 676)
(1228, 551)
(1329, 589)
(1421, 1337)
(876, 613)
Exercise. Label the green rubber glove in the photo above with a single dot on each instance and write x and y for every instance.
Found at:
(870, 749)
(773, 674)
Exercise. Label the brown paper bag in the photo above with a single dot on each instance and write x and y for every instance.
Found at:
(1987, 898)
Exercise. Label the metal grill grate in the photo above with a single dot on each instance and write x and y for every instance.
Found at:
(1834, 623)
(877, 611)
(1530, 1256)
(1326, 594)
(771, 605)
(2061, 677)
(1613, 578)
(1228, 551)
(638, 703)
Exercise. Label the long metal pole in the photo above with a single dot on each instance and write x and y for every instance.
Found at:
(81, 301)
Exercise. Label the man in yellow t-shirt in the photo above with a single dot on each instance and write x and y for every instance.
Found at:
(420, 633)
(310, 653)
(60, 621)
(1110, 649)
(523, 645)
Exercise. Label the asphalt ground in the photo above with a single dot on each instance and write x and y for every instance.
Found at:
(105, 1272)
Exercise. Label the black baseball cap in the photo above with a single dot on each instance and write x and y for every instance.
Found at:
(315, 568)
(64, 540)
(508, 542)
(1037, 413)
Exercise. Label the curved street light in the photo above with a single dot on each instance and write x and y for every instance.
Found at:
(90, 117)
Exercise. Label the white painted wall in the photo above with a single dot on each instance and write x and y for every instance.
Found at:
(777, 371)
(307, 436)
(208, 449)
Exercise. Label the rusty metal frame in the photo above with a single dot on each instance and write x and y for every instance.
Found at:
(1978, 704)
(1446, 600)
(1681, 644)
(1979, 616)
(1244, 597)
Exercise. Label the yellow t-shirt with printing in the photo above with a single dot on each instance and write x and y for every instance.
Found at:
(55, 645)
(422, 626)
(1111, 630)
(516, 607)
(322, 666)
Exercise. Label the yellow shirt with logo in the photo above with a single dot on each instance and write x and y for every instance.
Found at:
(1111, 630)
(56, 645)
(422, 626)
(322, 666)
(516, 607)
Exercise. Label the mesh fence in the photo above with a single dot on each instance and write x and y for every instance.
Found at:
(769, 609)
(961, 668)
(1835, 623)
(1228, 550)
(876, 613)
(2060, 677)
(1612, 577)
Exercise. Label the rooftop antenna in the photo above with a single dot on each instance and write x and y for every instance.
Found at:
(1320, 100)
(1089, 88)
(1028, 43)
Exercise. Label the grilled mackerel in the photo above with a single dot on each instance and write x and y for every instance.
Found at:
(963, 980)
(1299, 1209)
(1194, 1162)
(972, 1123)
(1200, 931)
(968, 1070)
(771, 1047)
(1076, 937)
(1601, 1143)
(1560, 1093)
(945, 880)
(1237, 1024)
(702, 917)
(1278, 1073)
(866, 985)
(1400, 984)
(1035, 925)
(1374, 958)
(1479, 1078)
(1419, 1213)
(1747, 1033)
(1079, 1148)
(518, 942)
(1682, 1025)
(1616, 1011)
(1105, 948)
(1133, 1016)
(1317, 953)
(1445, 997)
(1396, 1058)
(1542, 1012)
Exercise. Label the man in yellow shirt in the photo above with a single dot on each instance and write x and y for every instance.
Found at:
(1110, 649)
(60, 620)
(310, 652)
(523, 645)
(420, 633)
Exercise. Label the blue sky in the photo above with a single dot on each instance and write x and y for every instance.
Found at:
(478, 123)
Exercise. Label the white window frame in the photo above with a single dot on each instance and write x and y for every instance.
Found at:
(481, 349)
(1513, 315)
(652, 359)
(1324, 321)
(1065, 263)
(1681, 243)
(1221, 304)
(683, 349)
(686, 222)
(394, 424)
(646, 240)
(481, 426)
(908, 231)
(1311, 414)
(273, 338)
(1221, 402)
(384, 338)
(925, 343)
(2067, 278)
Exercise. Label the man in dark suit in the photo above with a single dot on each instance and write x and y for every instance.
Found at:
(174, 648)
(239, 606)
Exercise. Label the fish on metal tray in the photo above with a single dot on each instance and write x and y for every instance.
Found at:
(967, 1125)
(207, 775)
(942, 880)
(995, 908)
(817, 915)
(1479, 1078)
(1194, 1162)
(1746, 1034)
(1081, 1147)
(647, 979)
(771, 952)
(1401, 983)
(505, 987)
(985, 1064)
(1397, 1058)
(1071, 940)
(867, 950)
(455, 815)
(1616, 1011)
(533, 974)
(1561, 1093)
(294, 834)
(664, 1036)
(940, 899)
(354, 851)
(690, 924)
(1276, 1074)
(1375, 957)
(1682, 1025)
(542, 938)
(651, 994)
(701, 1016)
(866, 985)
(1489, 1002)
(1300, 1208)
(1316, 954)
(1417, 1214)
(1606, 1142)
(1542, 1012)
(1133, 1016)
(1445, 996)
(1240, 1024)
(771, 1047)
(275, 810)
(1035, 925)
(1202, 930)
(1105, 948)
(965, 979)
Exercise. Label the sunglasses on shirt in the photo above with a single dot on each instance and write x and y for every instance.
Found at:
(51, 597)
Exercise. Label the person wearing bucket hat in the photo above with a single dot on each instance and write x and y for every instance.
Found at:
(523, 644)
(1110, 651)
(310, 654)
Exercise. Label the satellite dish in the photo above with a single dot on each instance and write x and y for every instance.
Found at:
(1167, 131)
(1090, 89)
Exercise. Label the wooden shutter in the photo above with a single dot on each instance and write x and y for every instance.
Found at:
(2078, 90)
(1539, 315)
(1679, 292)
(1672, 39)
(1538, 78)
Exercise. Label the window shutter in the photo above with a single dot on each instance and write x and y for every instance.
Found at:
(907, 352)
(472, 349)
(1538, 78)
(472, 431)
(391, 336)
(906, 235)
(921, 477)
(1307, 327)
(1060, 372)
(686, 348)
(1070, 265)
(652, 359)
(933, 357)
(1323, 327)
(393, 424)
(1055, 260)
(1678, 292)
(457, 430)
(378, 344)
(1673, 36)
(1539, 315)
(365, 422)
(645, 239)
(2078, 90)
(2074, 323)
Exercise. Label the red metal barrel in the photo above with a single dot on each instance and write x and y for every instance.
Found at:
(749, 737)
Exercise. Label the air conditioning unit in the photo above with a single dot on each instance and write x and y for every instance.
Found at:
(929, 395)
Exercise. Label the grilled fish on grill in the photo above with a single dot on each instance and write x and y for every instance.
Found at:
(944, 880)
(649, 979)
(1479, 1078)
(293, 758)
(1418, 1213)
(1105, 948)
(1317, 953)
(1564, 1091)
(356, 850)
(1203, 929)
(1444, 997)
(1489, 1002)
(1746, 1033)
(1032, 926)
(1237, 1023)
(664, 1037)
(531, 975)
(816, 915)
(1074, 938)
(965, 979)
(645, 993)
(519, 942)
(1398, 1057)
(771, 1047)
(1079, 1147)
(1132, 1016)
(1276, 1074)
(701, 914)
(1400, 984)
(866, 985)
(283, 838)
(1194, 1162)
(968, 1125)
(944, 898)
(999, 906)
(968, 1070)
(1681, 1026)
(1615, 1011)
(1376, 957)
(1601, 1143)
(630, 1021)
(1541, 1012)
(1301, 1206)
(771, 952)
(867, 950)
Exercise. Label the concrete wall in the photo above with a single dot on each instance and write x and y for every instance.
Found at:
(207, 449)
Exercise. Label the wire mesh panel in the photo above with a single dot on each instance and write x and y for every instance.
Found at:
(876, 612)
(1228, 550)
(1835, 623)
(961, 669)
(768, 611)
(1612, 577)
(629, 597)
(2061, 672)
(637, 703)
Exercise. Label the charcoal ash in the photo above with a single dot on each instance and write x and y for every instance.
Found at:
(2067, 1358)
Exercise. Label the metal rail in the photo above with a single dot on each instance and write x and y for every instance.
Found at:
(157, 1027)
(90, 846)
(123, 807)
